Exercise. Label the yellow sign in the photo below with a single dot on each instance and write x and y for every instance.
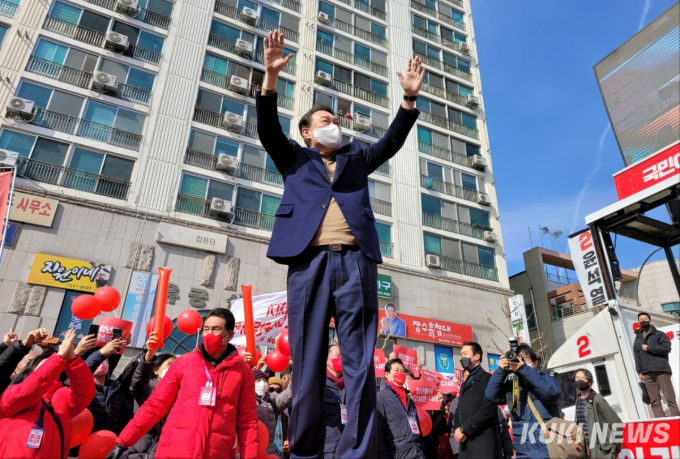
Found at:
(33, 209)
(68, 273)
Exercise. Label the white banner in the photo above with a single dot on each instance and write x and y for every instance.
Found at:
(588, 268)
(518, 316)
(270, 312)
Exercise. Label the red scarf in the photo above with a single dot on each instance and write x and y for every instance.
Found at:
(337, 380)
(400, 391)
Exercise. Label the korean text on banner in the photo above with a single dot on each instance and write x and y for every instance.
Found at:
(5, 185)
(270, 312)
(518, 316)
(409, 357)
(35, 210)
(428, 375)
(447, 386)
(424, 394)
(379, 363)
(139, 305)
(106, 326)
(458, 374)
(433, 330)
(67, 273)
(588, 268)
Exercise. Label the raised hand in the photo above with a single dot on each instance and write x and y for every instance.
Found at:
(412, 79)
(274, 60)
(34, 337)
(86, 344)
(66, 347)
(10, 337)
(111, 347)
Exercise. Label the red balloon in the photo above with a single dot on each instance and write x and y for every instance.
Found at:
(167, 327)
(262, 436)
(284, 345)
(189, 321)
(108, 298)
(97, 445)
(242, 355)
(425, 421)
(85, 307)
(276, 361)
(81, 426)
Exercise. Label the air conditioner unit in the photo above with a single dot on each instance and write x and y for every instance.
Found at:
(428, 183)
(233, 121)
(323, 18)
(19, 106)
(324, 78)
(117, 41)
(129, 5)
(484, 199)
(104, 81)
(244, 48)
(490, 237)
(226, 162)
(361, 122)
(238, 84)
(472, 101)
(220, 206)
(8, 158)
(248, 15)
(465, 49)
(433, 261)
(479, 163)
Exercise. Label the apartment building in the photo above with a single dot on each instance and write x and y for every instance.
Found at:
(136, 120)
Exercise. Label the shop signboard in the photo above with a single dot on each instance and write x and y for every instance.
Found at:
(67, 273)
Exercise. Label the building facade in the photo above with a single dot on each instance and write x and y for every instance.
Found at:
(130, 114)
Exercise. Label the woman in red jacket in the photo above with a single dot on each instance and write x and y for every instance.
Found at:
(37, 400)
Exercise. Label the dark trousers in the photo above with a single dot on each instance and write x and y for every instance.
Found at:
(660, 382)
(341, 285)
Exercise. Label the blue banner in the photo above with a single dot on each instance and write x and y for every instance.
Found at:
(494, 360)
(67, 320)
(443, 357)
(139, 305)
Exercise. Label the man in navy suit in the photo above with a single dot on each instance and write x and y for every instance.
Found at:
(325, 232)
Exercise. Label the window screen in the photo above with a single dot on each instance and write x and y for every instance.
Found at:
(119, 168)
(68, 104)
(86, 160)
(433, 244)
(38, 94)
(48, 151)
(248, 199)
(384, 232)
(193, 186)
(220, 190)
(16, 141)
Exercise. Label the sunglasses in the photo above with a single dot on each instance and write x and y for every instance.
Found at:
(274, 389)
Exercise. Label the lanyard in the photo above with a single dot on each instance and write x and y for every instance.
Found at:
(335, 396)
(39, 422)
(210, 378)
(399, 402)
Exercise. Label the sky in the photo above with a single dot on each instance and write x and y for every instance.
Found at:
(552, 149)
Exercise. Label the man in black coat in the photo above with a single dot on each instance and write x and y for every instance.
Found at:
(399, 432)
(475, 422)
(651, 348)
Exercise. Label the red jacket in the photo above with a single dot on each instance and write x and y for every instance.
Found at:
(20, 407)
(193, 431)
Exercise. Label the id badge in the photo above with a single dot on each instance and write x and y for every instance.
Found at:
(207, 396)
(413, 422)
(35, 438)
(343, 414)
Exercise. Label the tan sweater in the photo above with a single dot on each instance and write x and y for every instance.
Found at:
(333, 228)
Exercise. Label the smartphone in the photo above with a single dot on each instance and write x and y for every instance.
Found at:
(93, 330)
(116, 333)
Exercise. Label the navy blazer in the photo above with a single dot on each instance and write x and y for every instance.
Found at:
(308, 191)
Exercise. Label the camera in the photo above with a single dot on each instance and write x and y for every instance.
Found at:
(511, 355)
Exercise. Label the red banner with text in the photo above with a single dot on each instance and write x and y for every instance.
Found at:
(379, 363)
(432, 330)
(424, 394)
(409, 357)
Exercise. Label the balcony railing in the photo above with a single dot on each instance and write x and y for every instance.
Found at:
(458, 3)
(437, 14)
(453, 226)
(386, 249)
(366, 8)
(143, 54)
(293, 5)
(8, 9)
(466, 267)
(223, 81)
(423, 9)
(58, 72)
(55, 121)
(230, 46)
(476, 231)
(374, 131)
(458, 72)
(566, 280)
(442, 153)
(200, 207)
(142, 14)
(381, 207)
(110, 135)
(449, 124)
(434, 37)
(205, 116)
(235, 13)
(430, 61)
(384, 169)
(348, 57)
(448, 188)
(252, 219)
(443, 93)
(200, 158)
(291, 67)
(449, 20)
(132, 93)
(260, 175)
(361, 93)
(76, 32)
(72, 178)
(366, 35)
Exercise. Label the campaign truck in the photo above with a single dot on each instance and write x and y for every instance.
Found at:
(604, 346)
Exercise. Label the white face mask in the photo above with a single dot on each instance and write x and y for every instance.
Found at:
(329, 136)
(261, 387)
(162, 375)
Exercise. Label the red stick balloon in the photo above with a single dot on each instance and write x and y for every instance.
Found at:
(161, 300)
(248, 316)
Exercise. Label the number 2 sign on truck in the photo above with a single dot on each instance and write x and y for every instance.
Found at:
(655, 439)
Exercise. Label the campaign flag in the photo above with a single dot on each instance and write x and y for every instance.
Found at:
(429, 375)
(379, 363)
(424, 394)
(409, 357)
(270, 313)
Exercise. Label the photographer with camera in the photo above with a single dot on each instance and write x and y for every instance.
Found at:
(515, 382)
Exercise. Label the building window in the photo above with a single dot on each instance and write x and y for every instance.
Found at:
(204, 188)
(469, 182)
(161, 7)
(531, 317)
(17, 142)
(673, 307)
(209, 143)
(139, 37)
(3, 32)
(128, 75)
